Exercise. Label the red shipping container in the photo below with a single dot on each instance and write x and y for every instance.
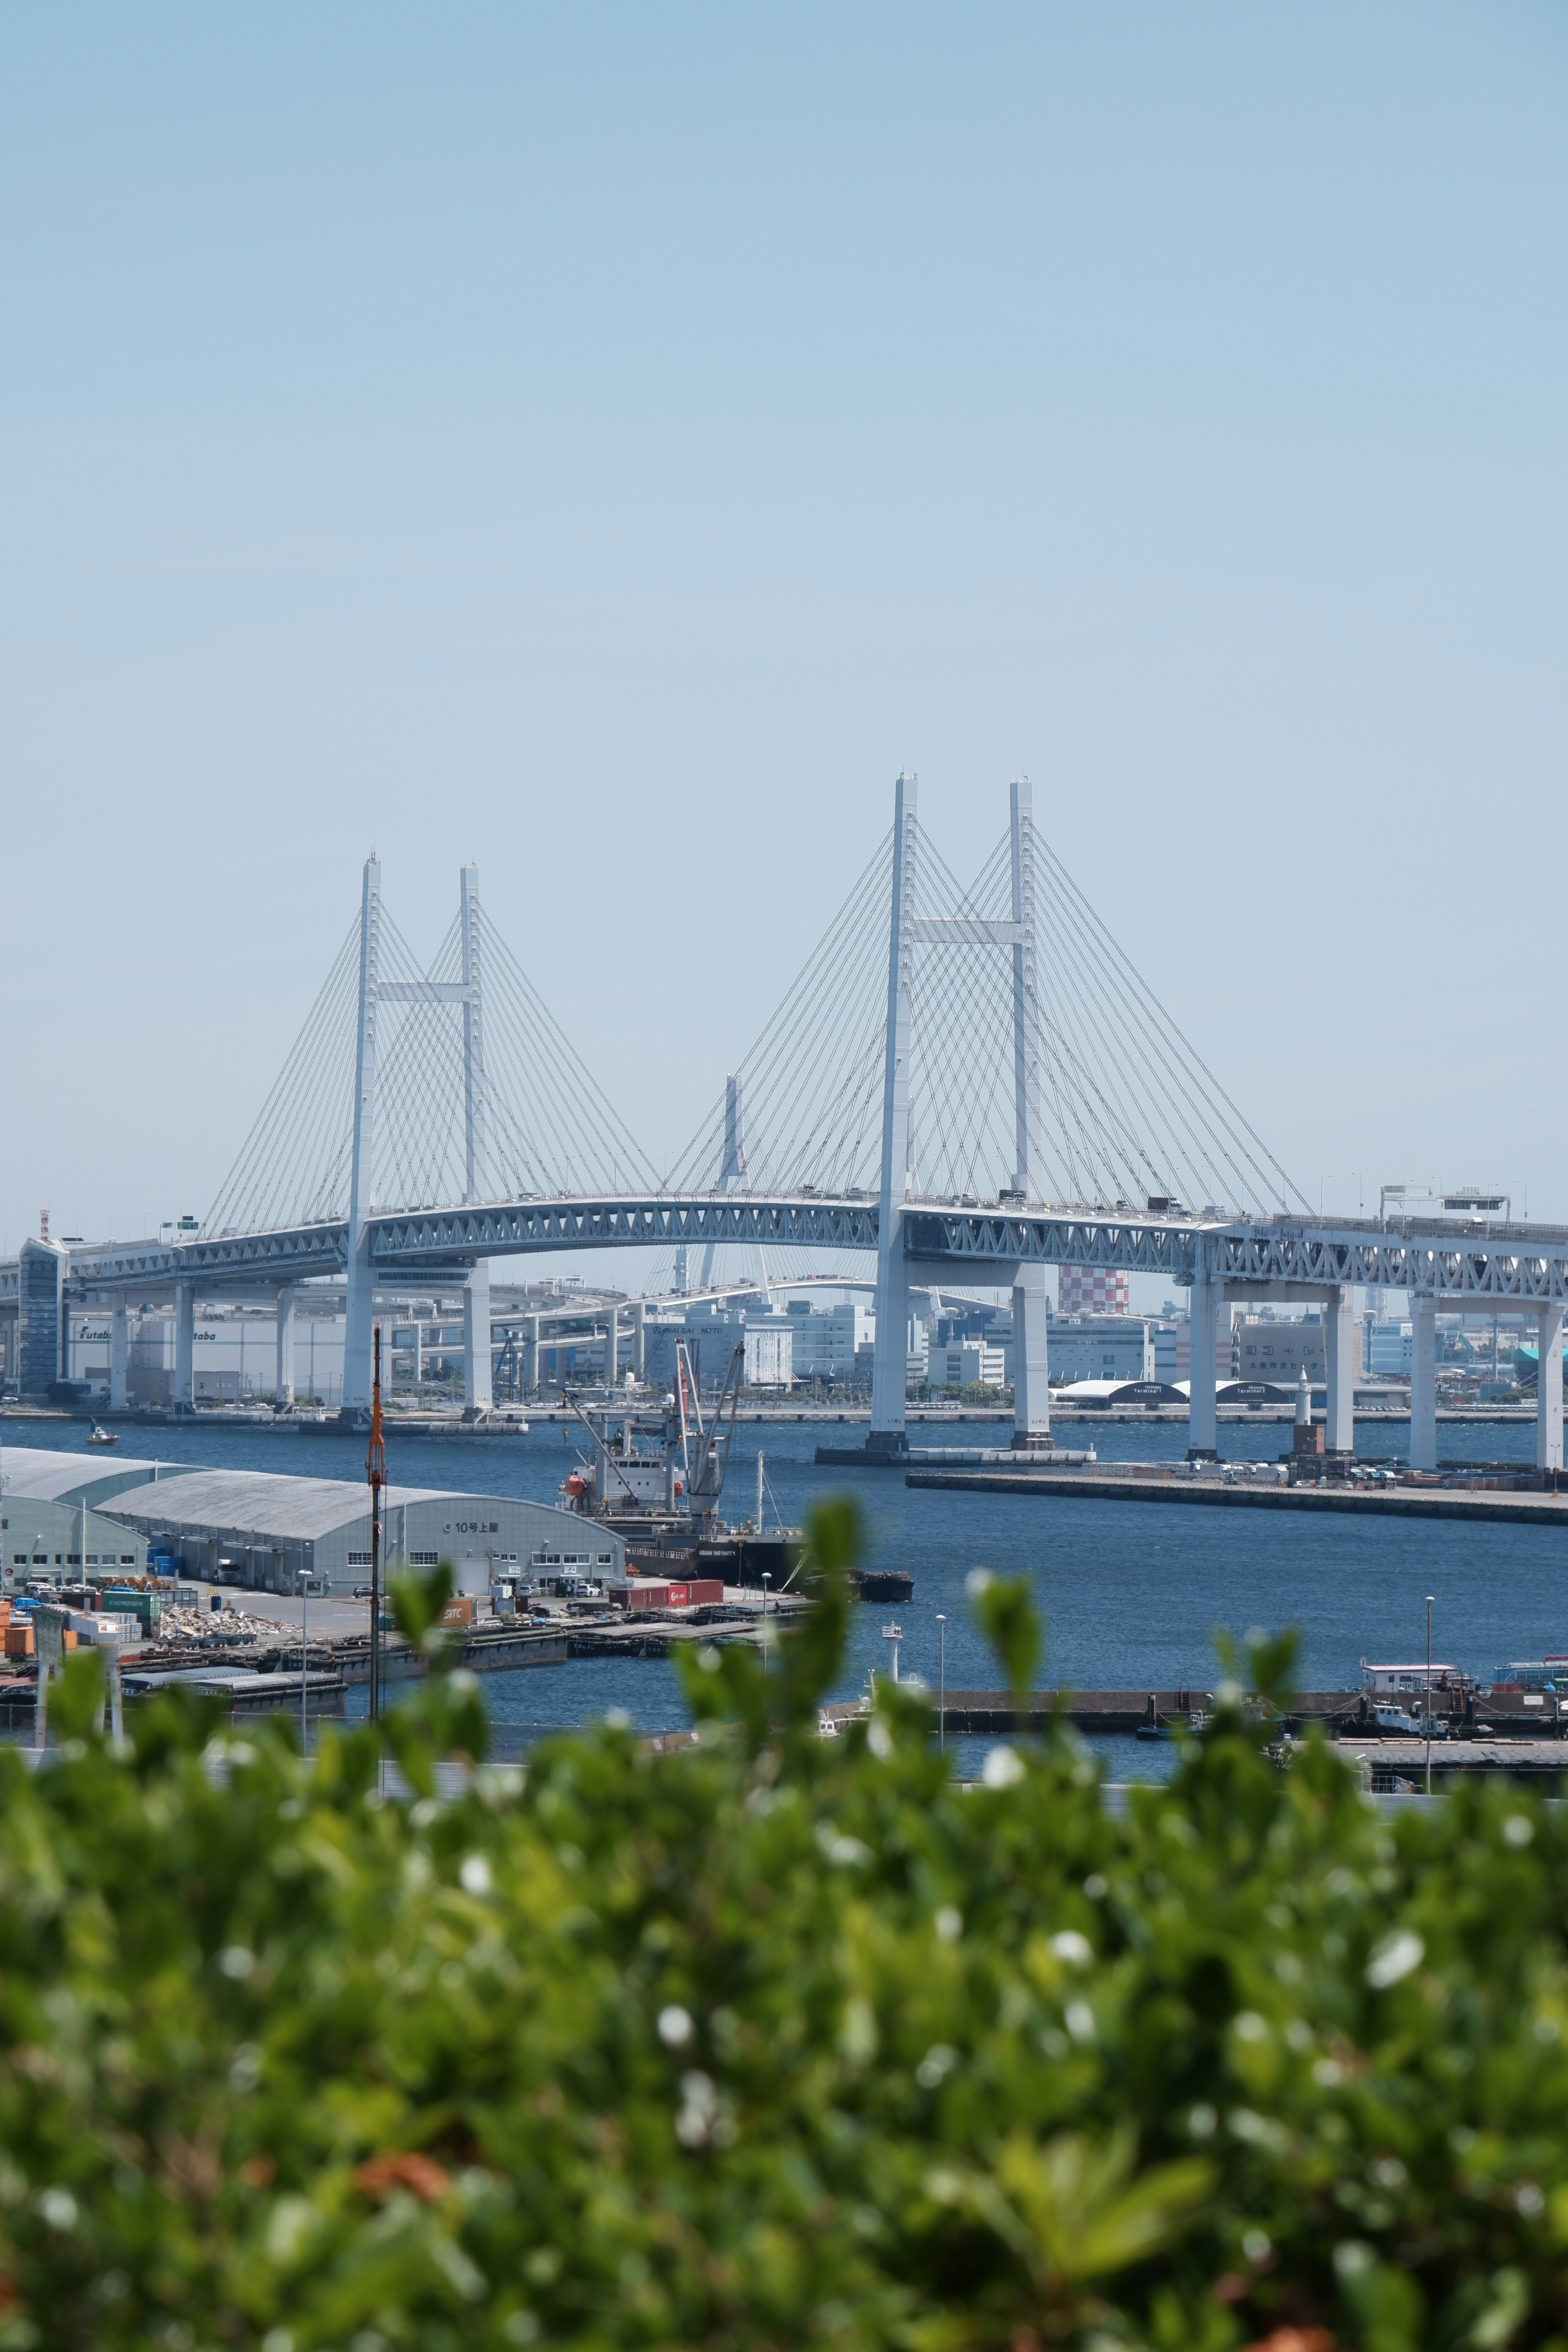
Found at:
(651, 1592)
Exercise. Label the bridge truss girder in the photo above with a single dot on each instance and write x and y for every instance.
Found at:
(982, 1246)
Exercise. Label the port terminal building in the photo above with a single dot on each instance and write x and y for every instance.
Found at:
(272, 1533)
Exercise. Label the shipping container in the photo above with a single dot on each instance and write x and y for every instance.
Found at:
(653, 1592)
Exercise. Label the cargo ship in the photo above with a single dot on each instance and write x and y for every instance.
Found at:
(656, 1482)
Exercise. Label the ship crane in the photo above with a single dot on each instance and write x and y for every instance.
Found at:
(694, 1456)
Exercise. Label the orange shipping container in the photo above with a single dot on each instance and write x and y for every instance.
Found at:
(19, 1639)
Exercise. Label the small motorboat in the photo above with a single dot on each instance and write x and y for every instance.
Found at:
(101, 1436)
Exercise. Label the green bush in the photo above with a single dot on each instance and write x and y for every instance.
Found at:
(781, 2040)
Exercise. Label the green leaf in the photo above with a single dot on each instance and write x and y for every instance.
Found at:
(418, 1596)
(1004, 1612)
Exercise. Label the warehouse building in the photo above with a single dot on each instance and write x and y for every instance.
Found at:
(50, 1476)
(66, 1542)
(273, 1533)
(269, 1532)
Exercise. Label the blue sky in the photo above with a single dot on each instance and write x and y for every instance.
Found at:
(609, 445)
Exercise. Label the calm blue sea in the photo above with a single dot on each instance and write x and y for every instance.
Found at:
(1131, 1593)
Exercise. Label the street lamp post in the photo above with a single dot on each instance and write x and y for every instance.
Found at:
(941, 1683)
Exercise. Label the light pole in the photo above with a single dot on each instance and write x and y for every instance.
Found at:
(1428, 1694)
(941, 1683)
(767, 1580)
(304, 1660)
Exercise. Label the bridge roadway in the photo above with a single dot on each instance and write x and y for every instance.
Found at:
(1317, 1262)
(1517, 1264)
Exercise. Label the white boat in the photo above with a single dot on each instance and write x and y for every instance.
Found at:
(1389, 1716)
(101, 1436)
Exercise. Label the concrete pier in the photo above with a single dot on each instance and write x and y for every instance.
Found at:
(284, 1393)
(1424, 1384)
(185, 1343)
(1339, 1352)
(1549, 1389)
(1031, 1361)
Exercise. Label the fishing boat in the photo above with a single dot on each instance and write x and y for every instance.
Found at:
(101, 1436)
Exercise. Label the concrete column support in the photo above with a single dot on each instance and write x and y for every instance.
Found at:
(476, 1337)
(283, 1392)
(1549, 1389)
(1424, 1384)
(361, 1283)
(612, 1348)
(418, 1354)
(1031, 1361)
(1201, 1425)
(639, 1342)
(185, 1343)
(891, 1357)
(531, 1356)
(119, 1353)
(1339, 1357)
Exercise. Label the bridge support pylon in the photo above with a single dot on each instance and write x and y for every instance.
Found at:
(477, 1393)
(1424, 1384)
(1549, 1389)
(1031, 1361)
(283, 1394)
(1338, 1358)
(890, 1354)
(1201, 1365)
(184, 1344)
(639, 1342)
(360, 1272)
(119, 1349)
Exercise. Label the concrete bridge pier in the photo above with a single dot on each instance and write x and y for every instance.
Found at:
(639, 1342)
(1549, 1388)
(283, 1393)
(1339, 1357)
(531, 1356)
(1424, 1384)
(612, 1348)
(1031, 1361)
(119, 1351)
(185, 1343)
(476, 1337)
(1204, 1327)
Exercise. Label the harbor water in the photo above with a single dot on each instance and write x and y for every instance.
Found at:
(1131, 1594)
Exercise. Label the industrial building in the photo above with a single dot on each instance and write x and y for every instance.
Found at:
(971, 1363)
(273, 1533)
(833, 1344)
(1094, 1290)
(1272, 1347)
(64, 1541)
(1388, 1348)
(1101, 1348)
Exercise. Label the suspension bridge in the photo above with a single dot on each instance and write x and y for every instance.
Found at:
(968, 1083)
